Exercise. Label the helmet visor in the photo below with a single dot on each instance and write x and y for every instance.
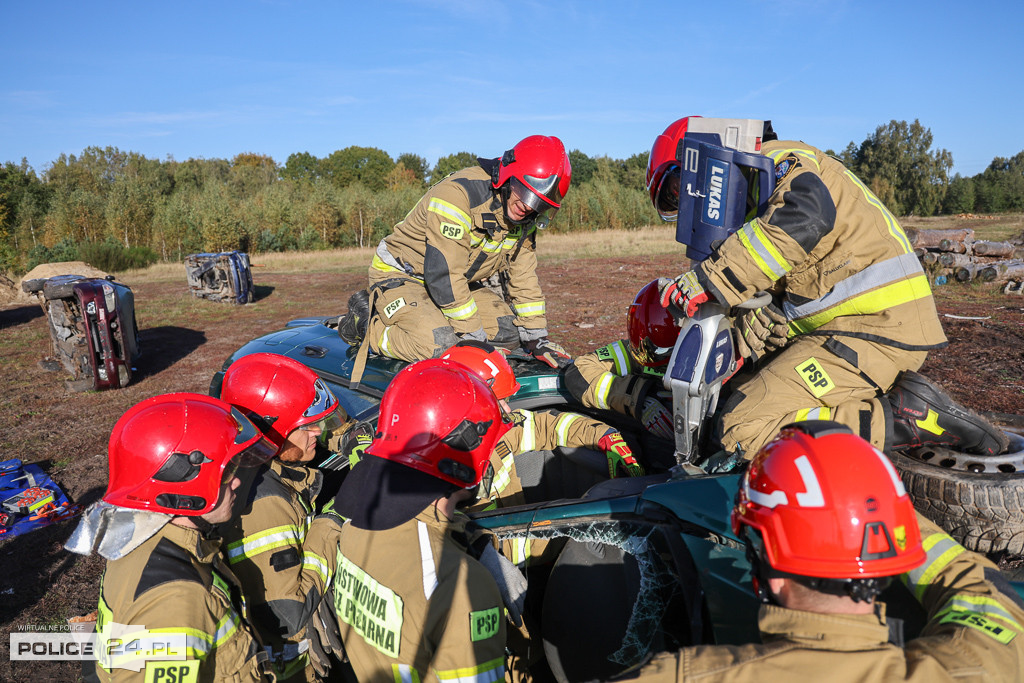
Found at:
(666, 200)
(258, 450)
(330, 426)
(531, 199)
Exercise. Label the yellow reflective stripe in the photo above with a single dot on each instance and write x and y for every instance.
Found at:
(819, 413)
(777, 154)
(225, 628)
(979, 604)
(603, 388)
(529, 440)
(620, 358)
(383, 345)
(769, 259)
(380, 264)
(509, 242)
(880, 299)
(940, 550)
(463, 312)
(405, 673)
(562, 427)
(449, 211)
(503, 476)
(894, 227)
(270, 539)
(311, 560)
(491, 247)
(520, 550)
(487, 672)
(528, 309)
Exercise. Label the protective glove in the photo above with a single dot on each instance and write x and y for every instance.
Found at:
(656, 418)
(548, 351)
(684, 292)
(761, 331)
(619, 456)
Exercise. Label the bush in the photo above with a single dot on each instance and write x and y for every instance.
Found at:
(65, 250)
(111, 256)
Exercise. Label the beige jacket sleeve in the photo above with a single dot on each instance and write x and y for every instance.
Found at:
(605, 379)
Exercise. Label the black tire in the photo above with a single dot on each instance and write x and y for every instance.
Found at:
(978, 500)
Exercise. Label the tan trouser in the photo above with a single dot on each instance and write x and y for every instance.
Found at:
(407, 325)
(816, 378)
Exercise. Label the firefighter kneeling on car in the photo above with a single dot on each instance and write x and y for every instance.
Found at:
(174, 464)
(426, 289)
(852, 316)
(827, 524)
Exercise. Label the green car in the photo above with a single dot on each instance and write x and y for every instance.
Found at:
(640, 565)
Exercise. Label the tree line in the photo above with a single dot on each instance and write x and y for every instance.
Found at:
(120, 209)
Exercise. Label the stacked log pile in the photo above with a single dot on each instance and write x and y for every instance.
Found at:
(955, 255)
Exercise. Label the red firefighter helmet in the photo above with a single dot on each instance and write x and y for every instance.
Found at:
(487, 363)
(652, 329)
(829, 505)
(663, 169)
(537, 169)
(171, 453)
(438, 417)
(280, 395)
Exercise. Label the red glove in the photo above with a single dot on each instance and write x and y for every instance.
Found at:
(684, 292)
(549, 352)
(620, 456)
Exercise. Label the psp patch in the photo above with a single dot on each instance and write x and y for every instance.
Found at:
(393, 307)
(172, 672)
(452, 231)
(976, 621)
(815, 377)
(484, 624)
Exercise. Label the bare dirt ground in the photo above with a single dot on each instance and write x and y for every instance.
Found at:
(185, 340)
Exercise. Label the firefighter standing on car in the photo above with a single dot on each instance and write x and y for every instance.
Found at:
(849, 293)
(413, 594)
(426, 277)
(820, 620)
(174, 463)
(276, 547)
(541, 430)
(627, 375)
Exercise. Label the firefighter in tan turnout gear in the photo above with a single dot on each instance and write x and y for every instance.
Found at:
(425, 278)
(849, 294)
(276, 547)
(627, 376)
(174, 463)
(413, 593)
(820, 620)
(541, 432)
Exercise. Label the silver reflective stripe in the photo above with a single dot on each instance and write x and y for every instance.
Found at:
(427, 561)
(874, 276)
(621, 359)
(529, 441)
(386, 257)
(604, 385)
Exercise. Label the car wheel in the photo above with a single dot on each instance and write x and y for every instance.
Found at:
(978, 500)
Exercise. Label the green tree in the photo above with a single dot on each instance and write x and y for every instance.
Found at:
(129, 211)
(583, 167)
(1000, 187)
(367, 165)
(896, 161)
(416, 164)
(959, 196)
(450, 164)
(301, 166)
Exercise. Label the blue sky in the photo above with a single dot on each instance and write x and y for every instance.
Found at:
(216, 78)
